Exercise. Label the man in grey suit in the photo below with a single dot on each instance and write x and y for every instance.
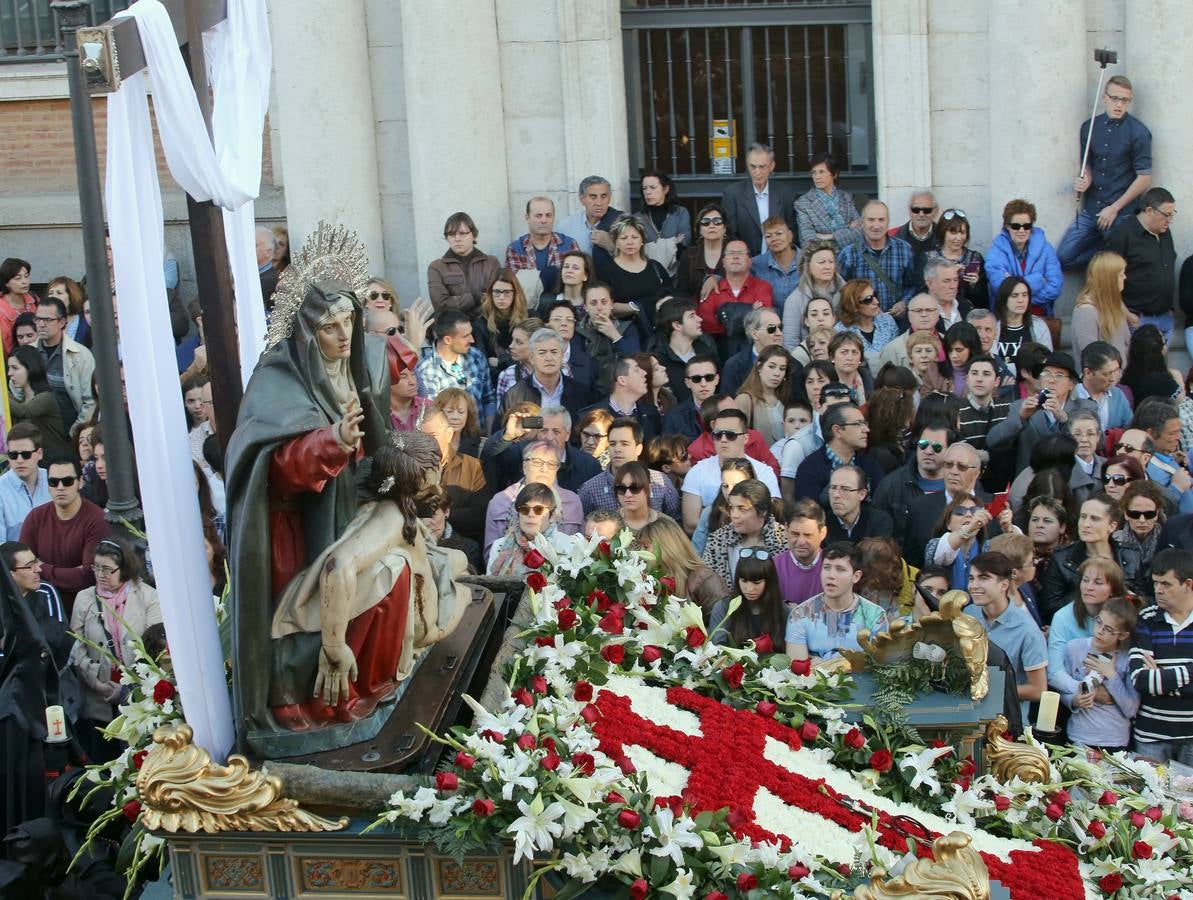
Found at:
(750, 203)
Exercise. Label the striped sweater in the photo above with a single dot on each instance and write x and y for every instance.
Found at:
(1166, 710)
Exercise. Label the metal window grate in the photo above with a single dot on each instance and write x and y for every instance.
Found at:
(28, 33)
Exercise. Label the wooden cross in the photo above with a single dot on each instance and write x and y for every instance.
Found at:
(112, 51)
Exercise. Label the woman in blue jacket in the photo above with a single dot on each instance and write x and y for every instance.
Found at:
(1022, 249)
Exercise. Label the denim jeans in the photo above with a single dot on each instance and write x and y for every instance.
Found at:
(1083, 239)
(1165, 751)
(1163, 322)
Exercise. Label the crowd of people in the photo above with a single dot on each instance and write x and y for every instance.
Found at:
(785, 397)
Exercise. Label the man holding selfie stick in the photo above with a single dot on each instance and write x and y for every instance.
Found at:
(1116, 166)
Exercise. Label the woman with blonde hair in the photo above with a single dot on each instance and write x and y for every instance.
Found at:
(923, 351)
(381, 295)
(632, 276)
(459, 408)
(818, 277)
(765, 391)
(1100, 314)
(503, 305)
(694, 581)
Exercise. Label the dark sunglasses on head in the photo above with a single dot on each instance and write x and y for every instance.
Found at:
(696, 379)
(21, 454)
(1148, 514)
(1020, 226)
(925, 444)
(922, 210)
(950, 214)
(65, 480)
(710, 221)
(533, 509)
(384, 295)
(1117, 478)
(724, 434)
(628, 489)
(836, 393)
(754, 553)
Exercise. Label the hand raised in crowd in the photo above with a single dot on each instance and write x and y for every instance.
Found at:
(348, 430)
(977, 524)
(513, 428)
(1006, 520)
(1031, 403)
(201, 357)
(416, 319)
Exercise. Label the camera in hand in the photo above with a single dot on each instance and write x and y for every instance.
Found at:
(1043, 396)
(530, 423)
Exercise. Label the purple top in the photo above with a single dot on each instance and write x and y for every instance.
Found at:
(796, 583)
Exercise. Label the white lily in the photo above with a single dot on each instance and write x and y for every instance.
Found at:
(509, 719)
(924, 765)
(511, 773)
(535, 828)
(673, 836)
(577, 866)
(964, 804)
(630, 863)
(682, 887)
(575, 817)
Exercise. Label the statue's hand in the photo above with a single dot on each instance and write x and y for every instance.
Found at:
(337, 668)
(349, 429)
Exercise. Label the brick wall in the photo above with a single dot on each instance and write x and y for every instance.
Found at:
(37, 147)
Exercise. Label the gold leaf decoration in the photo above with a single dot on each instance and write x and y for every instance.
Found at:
(956, 873)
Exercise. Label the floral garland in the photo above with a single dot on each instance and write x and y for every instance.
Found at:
(594, 773)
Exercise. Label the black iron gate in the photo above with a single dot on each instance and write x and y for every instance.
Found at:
(707, 78)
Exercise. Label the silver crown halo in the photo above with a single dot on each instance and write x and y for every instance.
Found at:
(331, 253)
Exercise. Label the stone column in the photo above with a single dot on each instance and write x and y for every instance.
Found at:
(1038, 101)
(326, 121)
(902, 109)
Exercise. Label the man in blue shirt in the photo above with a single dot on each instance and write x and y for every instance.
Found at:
(24, 485)
(455, 362)
(886, 262)
(589, 227)
(1119, 169)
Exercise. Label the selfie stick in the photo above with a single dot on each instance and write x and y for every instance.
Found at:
(1103, 58)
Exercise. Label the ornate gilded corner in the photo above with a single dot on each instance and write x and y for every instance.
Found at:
(948, 627)
(1011, 759)
(181, 789)
(956, 872)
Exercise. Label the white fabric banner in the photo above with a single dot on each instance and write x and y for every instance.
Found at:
(229, 174)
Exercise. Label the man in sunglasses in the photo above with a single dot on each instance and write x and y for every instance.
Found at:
(764, 328)
(706, 445)
(750, 202)
(845, 433)
(728, 432)
(23, 486)
(919, 230)
(918, 476)
(700, 380)
(63, 533)
(960, 467)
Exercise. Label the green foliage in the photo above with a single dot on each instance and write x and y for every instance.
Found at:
(897, 684)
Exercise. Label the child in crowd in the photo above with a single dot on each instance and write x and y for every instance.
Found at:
(1105, 701)
(761, 612)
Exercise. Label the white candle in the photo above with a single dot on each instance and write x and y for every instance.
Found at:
(1049, 704)
(56, 725)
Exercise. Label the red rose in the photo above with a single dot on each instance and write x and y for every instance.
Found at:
(746, 882)
(139, 758)
(1097, 829)
(801, 666)
(611, 624)
(131, 810)
(650, 653)
(695, 636)
(538, 684)
(544, 641)
(613, 654)
(495, 736)
(582, 691)
(809, 731)
(562, 603)
(626, 765)
(550, 762)
(967, 767)
(600, 599)
(523, 697)
(1155, 813)
(605, 550)
(716, 895)
(465, 760)
(733, 675)
(1002, 803)
(528, 742)
(764, 644)
(1141, 850)
(584, 763)
(881, 761)
(533, 559)
(590, 713)
(162, 691)
(1108, 798)
(962, 783)
(446, 781)
(627, 818)
(639, 889)
(766, 708)
(482, 807)
(844, 869)
(1061, 798)
(536, 581)
(668, 583)
(1138, 819)
(614, 797)
(566, 619)
(1054, 812)
(798, 871)
(1111, 883)
(854, 739)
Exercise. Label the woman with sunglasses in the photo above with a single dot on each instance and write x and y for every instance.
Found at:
(1119, 472)
(27, 375)
(952, 237)
(380, 295)
(958, 539)
(1022, 249)
(112, 615)
(818, 278)
(1100, 517)
(535, 508)
(700, 266)
(1016, 324)
(1099, 580)
(1144, 507)
(502, 306)
(765, 391)
(631, 484)
(861, 315)
(752, 525)
(458, 279)
(761, 611)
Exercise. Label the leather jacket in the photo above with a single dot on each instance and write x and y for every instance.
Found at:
(1059, 584)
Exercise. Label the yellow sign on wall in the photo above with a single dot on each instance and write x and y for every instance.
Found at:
(722, 146)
